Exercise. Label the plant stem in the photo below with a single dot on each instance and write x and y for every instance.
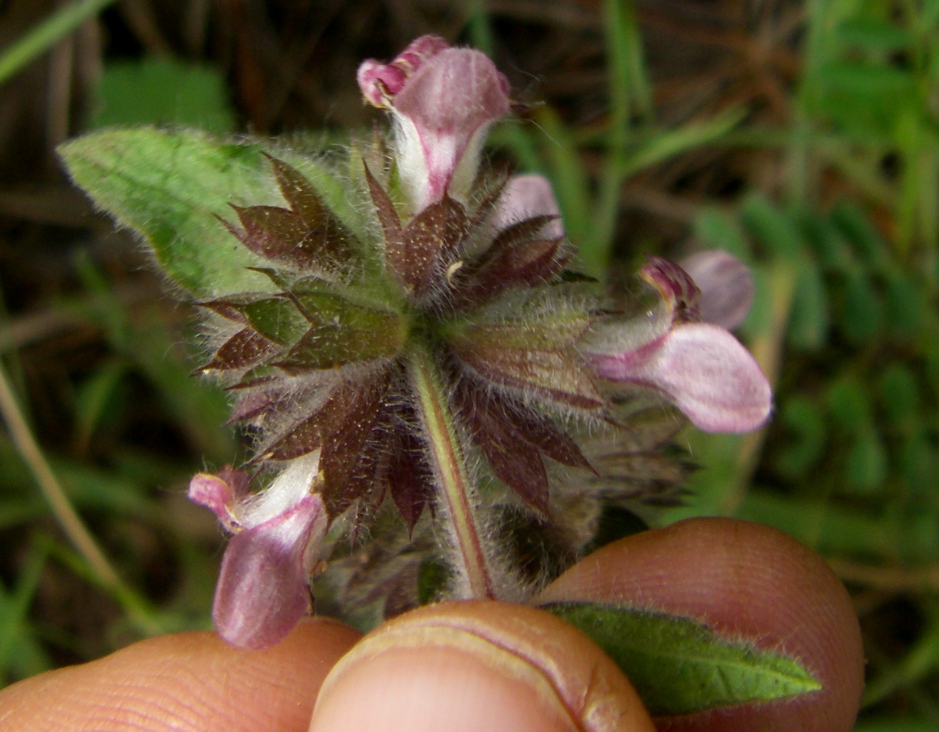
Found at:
(44, 36)
(450, 469)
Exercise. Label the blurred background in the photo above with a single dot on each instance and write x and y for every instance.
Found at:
(800, 135)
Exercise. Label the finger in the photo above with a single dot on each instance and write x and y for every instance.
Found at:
(478, 666)
(188, 682)
(746, 581)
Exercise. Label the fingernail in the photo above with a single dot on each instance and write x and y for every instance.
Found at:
(477, 666)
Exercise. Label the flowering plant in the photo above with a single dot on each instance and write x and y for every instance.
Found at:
(406, 338)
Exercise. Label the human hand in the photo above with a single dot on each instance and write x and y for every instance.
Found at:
(484, 665)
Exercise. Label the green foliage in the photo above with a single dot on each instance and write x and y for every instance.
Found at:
(21, 654)
(871, 74)
(173, 187)
(864, 427)
(679, 666)
(178, 190)
(162, 91)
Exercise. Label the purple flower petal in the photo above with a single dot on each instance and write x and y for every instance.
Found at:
(380, 83)
(262, 589)
(442, 115)
(704, 370)
(525, 197)
(726, 287)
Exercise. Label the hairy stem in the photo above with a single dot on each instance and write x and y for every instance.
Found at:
(450, 469)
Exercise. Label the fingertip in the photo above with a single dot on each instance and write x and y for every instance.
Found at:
(187, 681)
(746, 581)
(478, 666)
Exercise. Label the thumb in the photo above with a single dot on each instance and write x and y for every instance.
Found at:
(477, 665)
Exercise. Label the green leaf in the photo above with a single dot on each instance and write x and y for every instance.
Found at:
(804, 421)
(679, 666)
(86, 486)
(849, 405)
(867, 81)
(163, 91)
(832, 528)
(96, 400)
(826, 241)
(859, 231)
(722, 231)
(874, 36)
(862, 310)
(171, 187)
(341, 332)
(866, 466)
(19, 650)
(570, 183)
(864, 97)
(432, 579)
(808, 323)
(905, 305)
(918, 464)
(276, 319)
(900, 396)
(772, 227)
(667, 144)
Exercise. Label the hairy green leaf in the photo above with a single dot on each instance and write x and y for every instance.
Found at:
(172, 188)
(276, 319)
(679, 666)
(341, 332)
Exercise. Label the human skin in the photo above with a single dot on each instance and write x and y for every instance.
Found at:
(485, 665)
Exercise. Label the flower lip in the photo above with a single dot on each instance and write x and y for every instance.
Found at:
(262, 586)
(704, 371)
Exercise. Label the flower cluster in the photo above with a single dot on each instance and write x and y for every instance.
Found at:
(442, 346)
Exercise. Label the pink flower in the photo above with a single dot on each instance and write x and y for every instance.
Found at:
(443, 101)
(262, 589)
(699, 366)
(525, 197)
